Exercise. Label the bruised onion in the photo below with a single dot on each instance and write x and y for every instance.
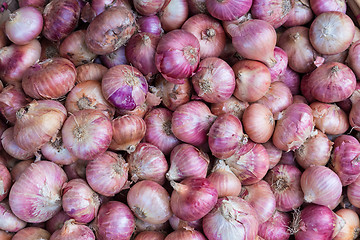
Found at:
(11, 148)
(8, 221)
(11, 100)
(5, 182)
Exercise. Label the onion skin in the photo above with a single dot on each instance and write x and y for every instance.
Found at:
(6, 235)
(55, 151)
(60, 19)
(228, 10)
(233, 106)
(90, 71)
(33, 201)
(32, 233)
(117, 57)
(150, 235)
(176, 223)
(150, 24)
(277, 227)
(185, 233)
(354, 116)
(320, 7)
(49, 79)
(141, 226)
(110, 30)
(11, 148)
(8, 221)
(11, 100)
(71, 230)
(5, 182)
(278, 70)
(173, 14)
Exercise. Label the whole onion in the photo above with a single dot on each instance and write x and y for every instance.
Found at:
(228, 10)
(320, 7)
(301, 14)
(150, 24)
(148, 8)
(291, 80)
(276, 228)
(117, 57)
(8, 221)
(71, 230)
(233, 106)
(37, 200)
(185, 233)
(32, 233)
(11, 100)
(11, 148)
(173, 14)
(353, 59)
(352, 224)
(90, 71)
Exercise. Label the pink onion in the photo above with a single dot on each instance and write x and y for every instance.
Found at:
(352, 224)
(301, 14)
(37, 200)
(232, 106)
(32, 233)
(11, 100)
(56, 222)
(12, 148)
(114, 58)
(176, 223)
(173, 14)
(354, 116)
(228, 10)
(291, 80)
(278, 70)
(273, 152)
(71, 230)
(320, 7)
(34, 3)
(150, 24)
(353, 59)
(187, 161)
(148, 8)
(8, 221)
(90, 71)
(150, 235)
(76, 169)
(276, 228)
(231, 218)
(19, 168)
(192, 198)
(321, 186)
(185, 233)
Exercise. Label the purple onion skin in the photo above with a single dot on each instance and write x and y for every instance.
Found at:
(150, 24)
(122, 98)
(114, 58)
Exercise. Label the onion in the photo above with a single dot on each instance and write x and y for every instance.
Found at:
(354, 116)
(114, 58)
(332, 82)
(15, 60)
(331, 32)
(37, 200)
(320, 7)
(352, 226)
(79, 201)
(252, 80)
(273, 152)
(150, 202)
(276, 228)
(37, 123)
(124, 87)
(214, 81)
(110, 30)
(228, 10)
(231, 218)
(173, 14)
(56, 222)
(49, 79)
(177, 55)
(141, 226)
(87, 134)
(32, 233)
(11, 100)
(353, 59)
(100, 6)
(301, 55)
(232, 106)
(24, 25)
(278, 70)
(315, 222)
(191, 122)
(291, 80)
(225, 136)
(158, 130)
(150, 235)
(185, 233)
(34, 3)
(192, 198)
(285, 183)
(261, 198)
(187, 161)
(140, 52)
(49, 49)
(76, 169)
(60, 19)
(274, 12)
(74, 48)
(19, 168)
(315, 151)
(301, 14)
(128, 130)
(250, 163)
(71, 230)
(115, 220)
(148, 8)
(288, 158)
(150, 24)
(107, 174)
(321, 186)
(8, 221)
(88, 95)
(176, 223)
(11, 148)
(299, 99)
(5, 182)
(90, 71)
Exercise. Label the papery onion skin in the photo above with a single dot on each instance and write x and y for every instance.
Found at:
(49, 79)
(32, 233)
(233, 106)
(173, 14)
(71, 230)
(90, 71)
(231, 218)
(276, 228)
(11, 148)
(5, 182)
(87, 133)
(8, 221)
(107, 174)
(150, 235)
(12, 99)
(60, 19)
(228, 10)
(321, 186)
(37, 200)
(185, 233)
(301, 15)
(110, 30)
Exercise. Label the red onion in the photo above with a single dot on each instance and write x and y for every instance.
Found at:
(352, 225)
(107, 174)
(158, 130)
(228, 10)
(34, 3)
(8, 221)
(49, 79)
(320, 7)
(232, 106)
(37, 200)
(185, 233)
(353, 193)
(224, 180)
(100, 6)
(301, 55)
(19, 168)
(332, 82)
(354, 116)
(76, 169)
(15, 60)
(55, 151)
(321, 186)
(11, 100)
(150, 235)
(176, 223)
(209, 32)
(141, 226)
(231, 218)
(191, 122)
(315, 151)
(250, 163)
(5, 182)
(32, 233)
(334, 38)
(288, 158)
(278, 70)
(273, 152)
(49, 49)
(71, 230)
(276, 228)
(299, 99)
(314, 222)
(3, 39)
(173, 14)
(90, 71)
(60, 19)
(187, 161)
(24, 25)
(177, 55)
(150, 202)
(57, 221)
(353, 59)
(214, 81)
(291, 80)
(148, 8)
(114, 58)
(301, 14)
(150, 24)
(11, 147)
(255, 39)
(79, 201)
(128, 130)
(225, 136)
(37, 123)
(252, 80)
(115, 221)
(261, 198)
(192, 198)
(274, 12)
(110, 30)
(285, 183)
(124, 87)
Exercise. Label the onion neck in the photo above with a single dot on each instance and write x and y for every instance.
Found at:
(84, 103)
(166, 127)
(181, 188)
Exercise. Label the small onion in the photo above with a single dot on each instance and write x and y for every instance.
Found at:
(11, 100)
(11, 148)
(301, 14)
(5, 182)
(352, 225)
(71, 230)
(8, 221)
(150, 235)
(32, 233)
(114, 58)
(228, 10)
(173, 14)
(148, 8)
(276, 228)
(56, 222)
(150, 24)
(90, 71)
(185, 233)
(232, 106)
